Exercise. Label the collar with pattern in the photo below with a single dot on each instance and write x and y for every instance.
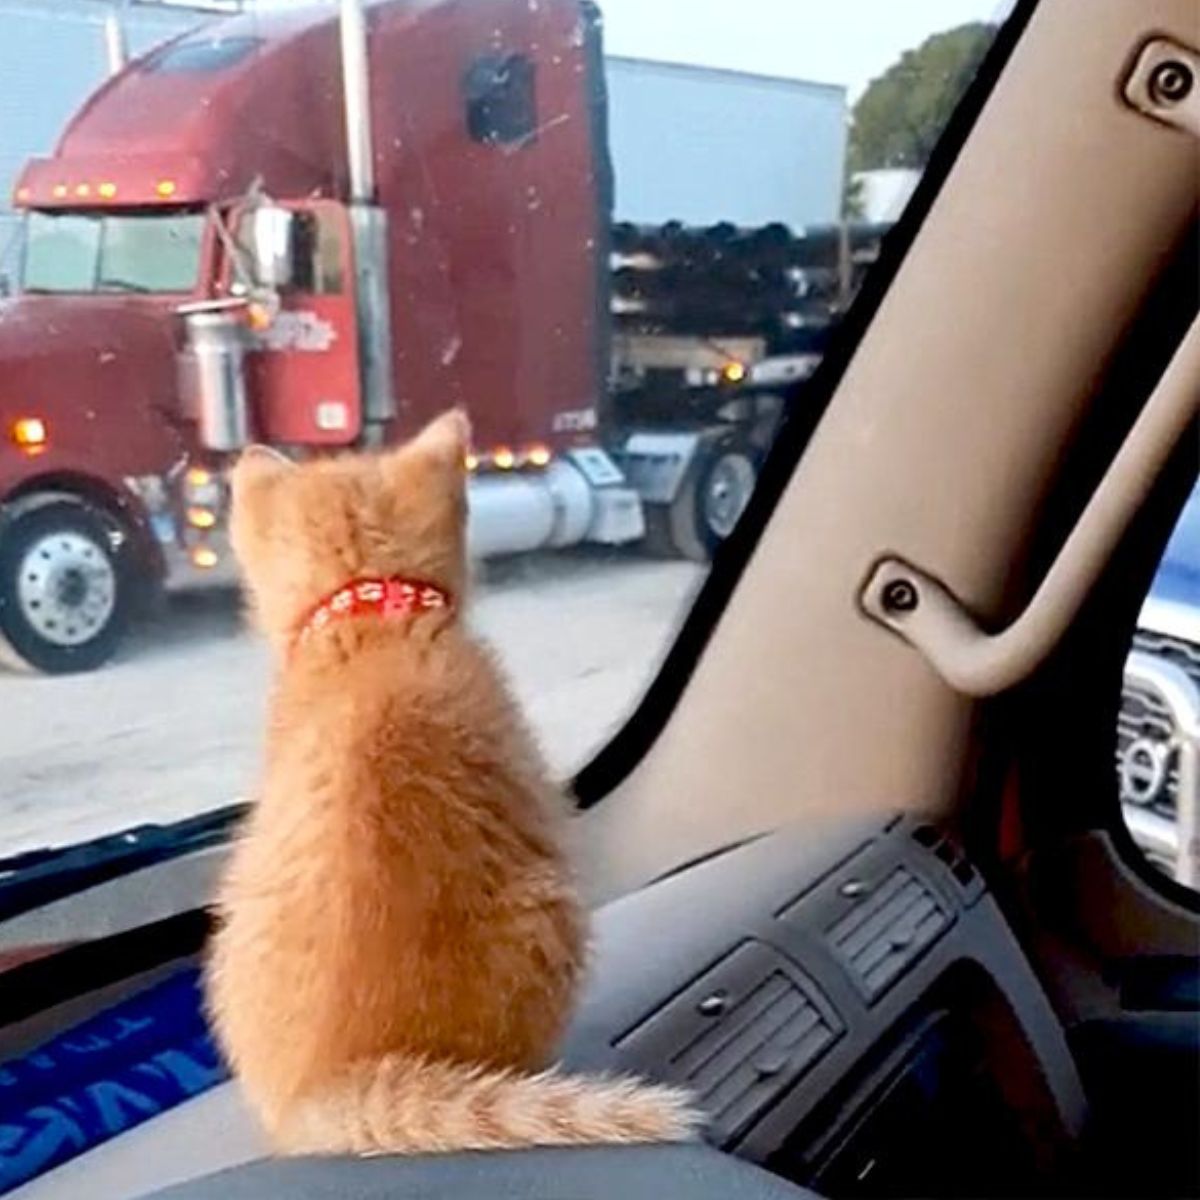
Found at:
(395, 596)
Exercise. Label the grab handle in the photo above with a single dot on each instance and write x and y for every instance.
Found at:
(922, 610)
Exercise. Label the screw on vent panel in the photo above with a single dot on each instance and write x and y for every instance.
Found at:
(888, 930)
(740, 1055)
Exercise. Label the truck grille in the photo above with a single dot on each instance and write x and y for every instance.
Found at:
(1147, 761)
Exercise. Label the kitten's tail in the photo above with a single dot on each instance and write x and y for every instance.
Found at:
(403, 1105)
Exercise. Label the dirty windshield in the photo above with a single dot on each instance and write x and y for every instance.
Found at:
(622, 234)
(94, 253)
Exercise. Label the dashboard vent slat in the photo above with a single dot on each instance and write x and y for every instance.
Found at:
(734, 1090)
(769, 1031)
(783, 1038)
(888, 930)
(738, 1036)
(711, 1042)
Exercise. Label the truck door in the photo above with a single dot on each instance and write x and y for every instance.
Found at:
(303, 368)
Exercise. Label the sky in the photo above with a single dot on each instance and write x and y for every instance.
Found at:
(829, 41)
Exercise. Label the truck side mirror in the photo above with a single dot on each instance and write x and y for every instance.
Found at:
(273, 245)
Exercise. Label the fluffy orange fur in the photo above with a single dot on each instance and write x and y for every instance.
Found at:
(400, 941)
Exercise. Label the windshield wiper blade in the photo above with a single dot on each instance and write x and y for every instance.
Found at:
(33, 878)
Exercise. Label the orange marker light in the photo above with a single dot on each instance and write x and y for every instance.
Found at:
(201, 518)
(258, 317)
(107, 191)
(504, 458)
(199, 477)
(204, 557)
(59, 192)
(733, 372)
(24, 195)
(83, 190)
(472, 462)
(539, 456)
(30, 434)
(165, 188)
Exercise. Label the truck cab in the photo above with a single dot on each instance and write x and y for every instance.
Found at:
(89, 345)
(201, 267)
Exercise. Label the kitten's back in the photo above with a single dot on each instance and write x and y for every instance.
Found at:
(400, 940)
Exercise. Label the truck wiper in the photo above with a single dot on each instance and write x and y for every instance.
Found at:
(34, 878)
(122, 285)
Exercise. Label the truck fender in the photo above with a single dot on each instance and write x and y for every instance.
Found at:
(26, 502)
(657, 462)
(146, 554)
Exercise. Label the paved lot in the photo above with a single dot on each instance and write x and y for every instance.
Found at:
(172, 728)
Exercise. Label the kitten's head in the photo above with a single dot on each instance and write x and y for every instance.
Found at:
(300, 532)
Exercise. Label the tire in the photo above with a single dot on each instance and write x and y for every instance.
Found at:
(65, 588)
(659, 539)
(711, 500)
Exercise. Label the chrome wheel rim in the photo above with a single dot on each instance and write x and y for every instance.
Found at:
(66, 588)
(727, 491)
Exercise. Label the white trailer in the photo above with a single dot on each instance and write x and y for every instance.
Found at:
(700, 146)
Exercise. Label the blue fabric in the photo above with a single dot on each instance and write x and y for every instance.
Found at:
(106, 1075)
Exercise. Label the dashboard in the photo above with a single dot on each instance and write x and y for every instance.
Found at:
(857, 1016)
(853, 1013)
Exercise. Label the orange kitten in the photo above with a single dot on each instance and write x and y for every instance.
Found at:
(400, 942)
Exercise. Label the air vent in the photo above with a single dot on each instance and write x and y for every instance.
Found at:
(945, 848)
(739, 1037)
(887, 930)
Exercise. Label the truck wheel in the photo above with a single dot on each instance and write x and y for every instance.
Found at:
(64, 588)
(726, 485)
(711, 499)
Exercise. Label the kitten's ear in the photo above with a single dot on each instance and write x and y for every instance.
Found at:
(445, 439)
(258, 463)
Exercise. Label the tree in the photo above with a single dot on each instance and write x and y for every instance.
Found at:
(900, 116)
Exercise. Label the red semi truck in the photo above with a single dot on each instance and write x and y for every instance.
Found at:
(248, 235)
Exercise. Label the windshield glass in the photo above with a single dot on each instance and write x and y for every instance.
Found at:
(625, 256)
(77, 252)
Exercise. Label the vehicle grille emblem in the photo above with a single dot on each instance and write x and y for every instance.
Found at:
(1142, 769)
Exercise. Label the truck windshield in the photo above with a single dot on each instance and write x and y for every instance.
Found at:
(112, 252)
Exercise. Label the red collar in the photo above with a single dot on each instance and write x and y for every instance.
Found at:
(395, 596)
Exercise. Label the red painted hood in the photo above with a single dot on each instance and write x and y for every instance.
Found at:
(101, 372)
